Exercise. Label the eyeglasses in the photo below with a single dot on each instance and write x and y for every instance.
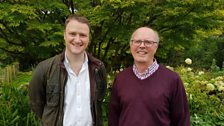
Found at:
(146, 43)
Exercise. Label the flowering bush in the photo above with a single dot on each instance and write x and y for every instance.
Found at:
(205, 91)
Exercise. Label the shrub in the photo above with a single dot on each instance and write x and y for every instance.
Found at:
(14, 105)
(205, 96)
(205, 91)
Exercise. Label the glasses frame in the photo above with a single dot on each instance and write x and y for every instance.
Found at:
(146, 43)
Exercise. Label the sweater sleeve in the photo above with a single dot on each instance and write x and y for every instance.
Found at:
(114, 106)
(179, 106)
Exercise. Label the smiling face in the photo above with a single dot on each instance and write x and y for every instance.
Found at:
(144, 55)
(76, 36)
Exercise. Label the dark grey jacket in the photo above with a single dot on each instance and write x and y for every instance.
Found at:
(47, 86)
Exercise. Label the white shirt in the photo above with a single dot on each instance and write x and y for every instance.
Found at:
(77, 96)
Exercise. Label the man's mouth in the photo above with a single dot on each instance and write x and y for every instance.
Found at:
(76, 44)
(142, 52)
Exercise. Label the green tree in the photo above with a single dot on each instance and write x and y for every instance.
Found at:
(32, 31)
(181, 24)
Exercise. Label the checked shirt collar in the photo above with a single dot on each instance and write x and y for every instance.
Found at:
(151, 69)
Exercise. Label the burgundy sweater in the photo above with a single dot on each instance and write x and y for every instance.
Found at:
(159, 100)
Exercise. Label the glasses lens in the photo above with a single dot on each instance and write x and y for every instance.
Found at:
(146, 43)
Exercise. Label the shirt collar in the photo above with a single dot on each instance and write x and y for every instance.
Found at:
(85, 58)
(148, 72)
(85, 63)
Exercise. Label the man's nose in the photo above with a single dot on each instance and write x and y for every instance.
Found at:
(142, 44)
(77, 38)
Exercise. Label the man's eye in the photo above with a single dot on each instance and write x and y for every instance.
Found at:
(138, 41)
(72, 33)
(83, 35)
(148, 42)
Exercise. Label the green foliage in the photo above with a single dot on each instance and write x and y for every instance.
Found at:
(33, 30)
(210, 49)
(110, 78)
(204, 90)
(178, 23)
(214, 67)
(14, 105)
(205, 95)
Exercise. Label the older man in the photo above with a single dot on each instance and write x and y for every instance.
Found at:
(147, 93)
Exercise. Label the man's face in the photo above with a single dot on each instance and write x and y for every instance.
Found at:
(143, 52)
(76, 36)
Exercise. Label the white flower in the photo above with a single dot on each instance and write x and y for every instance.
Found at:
(169, 67)
(204, 82)
(210, 87)
(191, 96)
(219, 78)
(196, 116)
(201, 72)
(189, 69)
(219, 83)
(221, 88)
(188, 61)
(186, 84)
